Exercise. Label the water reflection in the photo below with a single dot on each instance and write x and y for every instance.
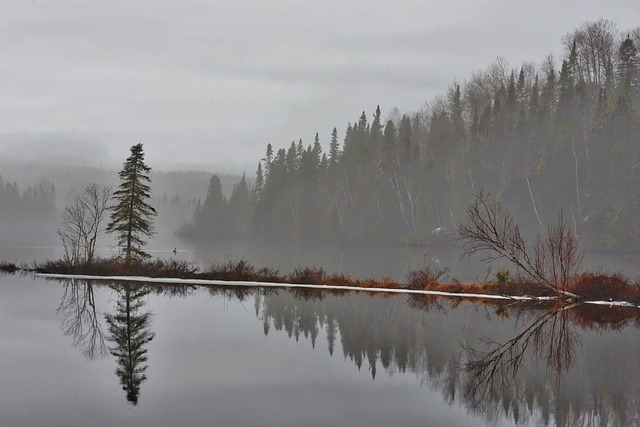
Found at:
(128, 328)
(129, 332)
(561, 362)
(521, 362)
(79, 318)
(540, 363)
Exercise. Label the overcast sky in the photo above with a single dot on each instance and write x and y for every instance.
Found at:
(212, 82)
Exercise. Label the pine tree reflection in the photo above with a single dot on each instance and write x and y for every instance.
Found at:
(79, 318)
(129, 331)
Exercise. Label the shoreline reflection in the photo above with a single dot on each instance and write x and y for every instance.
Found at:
(538, 362)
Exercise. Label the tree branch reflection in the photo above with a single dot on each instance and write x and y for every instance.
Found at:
(79, 318)
(552, 338)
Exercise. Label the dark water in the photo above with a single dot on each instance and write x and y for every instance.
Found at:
(78, 353)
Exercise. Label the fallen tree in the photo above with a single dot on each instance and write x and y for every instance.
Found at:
(491, 231)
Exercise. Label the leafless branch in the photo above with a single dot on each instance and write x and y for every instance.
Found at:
(81, 223)
(492, 232)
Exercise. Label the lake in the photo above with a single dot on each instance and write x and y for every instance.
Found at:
(78, 353)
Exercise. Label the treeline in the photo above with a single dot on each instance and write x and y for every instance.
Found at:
(561, 134)
(218, 217)
(40, 199)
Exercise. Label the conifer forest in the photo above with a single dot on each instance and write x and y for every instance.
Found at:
(559, 133)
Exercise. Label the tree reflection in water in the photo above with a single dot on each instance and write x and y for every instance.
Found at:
(129, 331)
(552, 337)
(79, 318)
(545, 363)
(541, 372)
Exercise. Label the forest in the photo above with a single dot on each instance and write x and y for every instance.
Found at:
(37, 200)
(561, 134)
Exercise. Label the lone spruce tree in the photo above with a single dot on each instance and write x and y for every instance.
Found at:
(131, 214)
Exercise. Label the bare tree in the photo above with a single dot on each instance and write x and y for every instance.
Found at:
(492, 231)
(71, 231)
(81, 222)
(595, 44)
(483, 85)
(395, 116)
(79, 318)
(557, 257)
(552, 339)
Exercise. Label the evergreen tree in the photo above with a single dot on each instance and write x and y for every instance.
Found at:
(267, 161)
(375, 135)
(334, 150)
(457, 122)
(257, 190)
(317, 151)
(534, 99)
(389, 149)
(239, 208)
(628, 67)
(548, 98)
(212, 214)
(406, 152)
(129, 331)
(131, 214)
(520, 86)
(512, 92)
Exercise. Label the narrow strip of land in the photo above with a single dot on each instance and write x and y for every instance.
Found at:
(205, 282)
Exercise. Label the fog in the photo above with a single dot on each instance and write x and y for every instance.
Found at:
(469, 99)
(207, 84)
(306, 140)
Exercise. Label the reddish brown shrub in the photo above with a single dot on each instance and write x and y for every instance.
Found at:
(308, 275)
(339, 280)
(605, 287)
(426, 279)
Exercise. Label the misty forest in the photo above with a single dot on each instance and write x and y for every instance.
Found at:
(440, 266)
(559, 135)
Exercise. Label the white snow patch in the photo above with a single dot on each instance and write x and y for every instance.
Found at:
(613, 303)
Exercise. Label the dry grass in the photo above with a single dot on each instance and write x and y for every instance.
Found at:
(240, 271)
(117, 267)
(606, 287)
(308, 275)
(425, 279)
(8, 267)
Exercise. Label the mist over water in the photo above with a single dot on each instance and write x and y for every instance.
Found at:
(338, 136)
(30, 235)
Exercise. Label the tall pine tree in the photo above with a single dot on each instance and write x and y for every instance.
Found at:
(131, 214)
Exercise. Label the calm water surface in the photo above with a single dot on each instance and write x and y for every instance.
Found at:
(80, 353)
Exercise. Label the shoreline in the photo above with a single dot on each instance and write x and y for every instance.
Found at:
(258, 284)
(589, 287)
